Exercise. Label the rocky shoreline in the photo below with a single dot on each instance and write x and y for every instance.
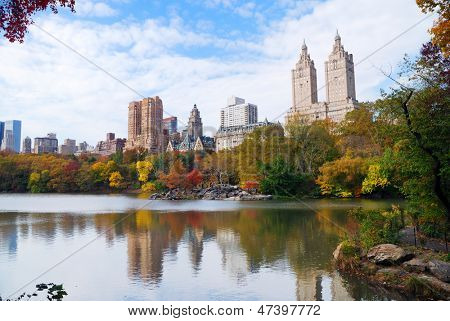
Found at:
(413, 273)
(217, 192)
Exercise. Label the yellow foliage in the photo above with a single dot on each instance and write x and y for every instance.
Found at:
(116, 180)
(148, 187)
(144, 168)
(375, 179)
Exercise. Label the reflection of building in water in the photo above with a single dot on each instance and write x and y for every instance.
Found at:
(316, 285)
(233, 258)
(196, 237)
(8, 236)
(146, 253)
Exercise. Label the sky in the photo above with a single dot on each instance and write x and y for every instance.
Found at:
(76, 73)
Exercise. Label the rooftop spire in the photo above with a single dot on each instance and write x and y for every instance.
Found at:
(337, 37)
(304, 44)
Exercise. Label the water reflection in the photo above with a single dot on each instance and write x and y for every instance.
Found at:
(246, 243)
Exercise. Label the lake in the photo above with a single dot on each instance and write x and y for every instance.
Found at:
(119, 247)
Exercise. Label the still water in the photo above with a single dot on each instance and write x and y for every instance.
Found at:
(125, 248)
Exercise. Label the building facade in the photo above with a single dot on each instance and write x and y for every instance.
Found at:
(11, 135)
(26, 146)
(171, 124)
(47, 144)
(238, 113)
(69, 147)
(195, 125)
(145, 125)
(339, 84)
(110, 146)
(231, 137)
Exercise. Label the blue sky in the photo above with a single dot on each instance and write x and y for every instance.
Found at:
(189, 52)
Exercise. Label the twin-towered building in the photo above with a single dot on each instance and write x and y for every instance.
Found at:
(339, 84)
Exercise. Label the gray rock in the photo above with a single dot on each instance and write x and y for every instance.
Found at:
(388, 254)
(415, 265)
(437, 285)
(440, 269)
(390, 272)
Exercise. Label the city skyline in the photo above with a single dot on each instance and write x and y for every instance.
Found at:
(184, 62)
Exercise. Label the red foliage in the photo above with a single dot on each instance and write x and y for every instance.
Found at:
(250, 185)
(15, 15)
(193, 178)
(72, 166)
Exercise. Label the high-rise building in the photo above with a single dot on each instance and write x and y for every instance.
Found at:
(69, 147)
(2, 129)
(26, 146)
(238, 113)
(145, 124)
(340, 86)
(11, 135)
(47, 144)
(195, 126)
(171, 124)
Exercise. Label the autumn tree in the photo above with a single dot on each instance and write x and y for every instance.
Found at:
(176, 176)
(193, 178)
(144, 168)
(16, 16)
(441, 28)
(116, 180)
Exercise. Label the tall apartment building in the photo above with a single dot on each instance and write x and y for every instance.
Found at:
(11, 132)
(145, 127)
(171, 124)
(339, 83)
(69, 147)
(26, 146)
(47, 144)
(238, 113)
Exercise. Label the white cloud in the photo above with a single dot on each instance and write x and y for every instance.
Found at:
(246, 10)
(90, 8)
(54, 90)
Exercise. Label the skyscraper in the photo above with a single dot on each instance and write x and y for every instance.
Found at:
(26, 146)
(145, 124)
(238, 113)
(11, 135)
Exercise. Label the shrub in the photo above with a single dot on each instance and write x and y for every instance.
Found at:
(378, 226)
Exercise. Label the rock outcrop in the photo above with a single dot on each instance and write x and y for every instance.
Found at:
(218, 192)
(440, 269)
(395, 269)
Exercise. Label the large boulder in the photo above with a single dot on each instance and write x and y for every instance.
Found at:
(415, 265)
(440, 269)
(388, 254)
